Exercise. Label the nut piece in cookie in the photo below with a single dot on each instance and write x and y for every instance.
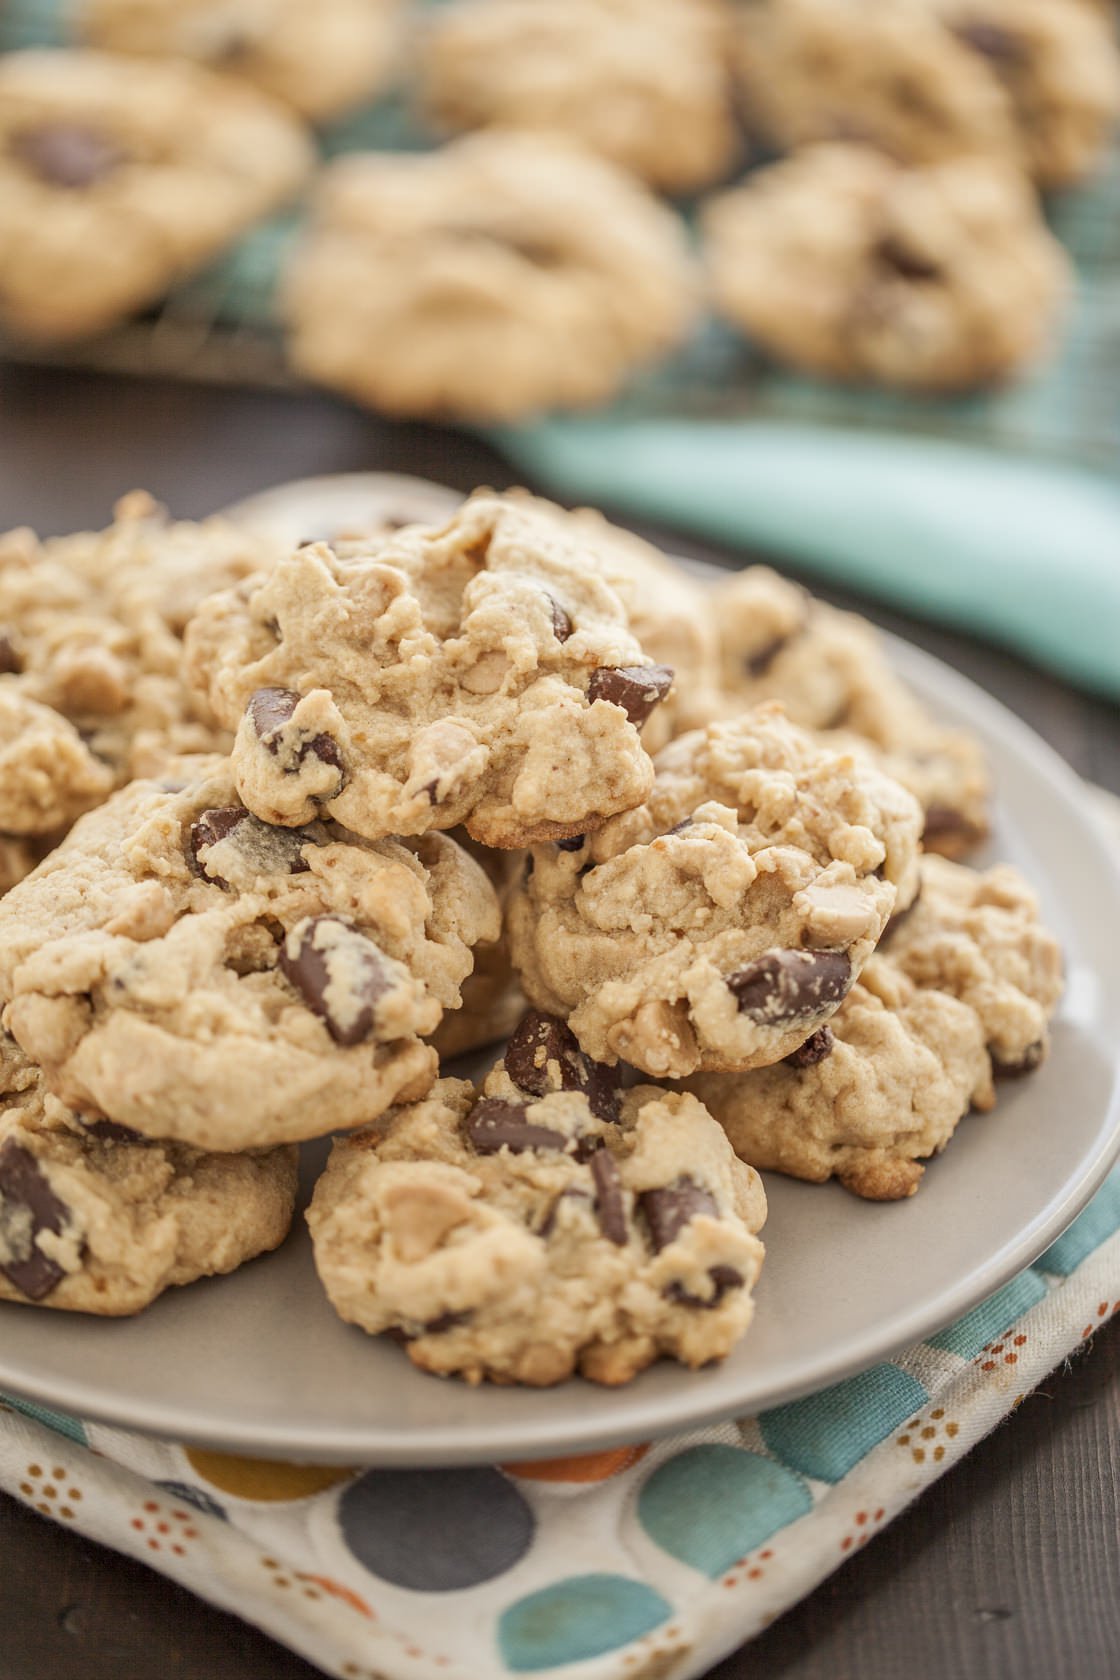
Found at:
(117, 178)
(481, 673)
(548, 1224)
(505, 274)
(96, 1219)
(190, 972)
(854, 267)
(721, 923)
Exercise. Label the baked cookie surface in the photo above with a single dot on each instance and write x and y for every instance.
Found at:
(505, 274)
(544, 1224)
(320, 59)
(853, 267)
(480, 673)
(645, 83)
(719, 924)
(96, 1219)
(188, 971)
(117, 177)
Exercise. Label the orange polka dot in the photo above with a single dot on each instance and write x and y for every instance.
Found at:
(845, 1543)
(65, 1511)
(904, 1440)
(137, 1522)
(766, 1554)
(754, 1574)
(180, 1551)
(49, 1491)
(261, 1480)
(58, 1474)
(952, 1428)
(1102, 1309)
(919, 1455)
(151, 1506)
(929, 1432)
(939, 1413)
(25, 1487)
(46, 1510)
(344, 1594)
(154, 1544)
(880, 1514)
(1011, 1359)
(74, 1493)
(34, 1470)
(1019, 1340)
(585, 1467)
(988, 1365)
(861, 1517)
(939, 1453)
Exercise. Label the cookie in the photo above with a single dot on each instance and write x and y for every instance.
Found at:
(975, 934)
(493, 1002)
(1058, 63)
(91, 686)
(481, 673)
(871, 70)
(853, 267)
(319, 59)
(190, 972)
(96, 1219)
(831, 673)
(118, 177)
(866, 1099)
(547, 1224)
(505, 274)
(723, 922)
(645, 83)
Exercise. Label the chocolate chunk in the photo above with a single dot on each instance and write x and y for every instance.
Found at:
(10, 662)
(544, 1041)
(1033, 1056)
(270, 710)
(784, 985)
(111, 1131)
(759, 663)
(669, 1210)
(67, 154)
(493, 1124)
(573, 843)
(943, 823)
(610, 1209)
(679, 828)
(909, 265)
(895, 921)
(562, 626)
(815, 1048)
(328, 956)
(724, 1278)
(548, 1224)
(28, 1205)
(997, 43)
(267, 850)
(636, 688)
(446, 1321)
(211, 827)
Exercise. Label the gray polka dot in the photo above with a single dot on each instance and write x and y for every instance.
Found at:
(435, 1530)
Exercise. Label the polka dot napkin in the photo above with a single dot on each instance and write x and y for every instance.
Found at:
(648, 1562)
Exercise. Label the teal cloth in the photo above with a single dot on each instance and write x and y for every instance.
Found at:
(1022, 551)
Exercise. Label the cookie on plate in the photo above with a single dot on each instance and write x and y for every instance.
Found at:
(544, 1224)
(321, 59)
(91, 685)
(869, 1097)
(854, 267)
(190, 972)
(97, 1219)
(505, 274)
(831, 673)
(645, 83)
(482, 673)
(117, 177)
(720, 924)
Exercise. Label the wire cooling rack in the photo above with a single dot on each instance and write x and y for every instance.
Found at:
(222, 324)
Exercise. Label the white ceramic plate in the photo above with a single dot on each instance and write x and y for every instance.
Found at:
(258, 1363)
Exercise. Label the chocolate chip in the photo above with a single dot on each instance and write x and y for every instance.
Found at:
(909, 265)
(562, 626)
(28, 1205)
(636, 688)
(993, 40)
(895, 921)
(67, 154)
(1032, 1057)
(815, 1048)
(543, 1042)
(267, 849)
(724, 1278)
(573, 843)
(670, 1209)
(610, 1209)
(339, 973)
(10, 662)
(679, 828)
(110, 1131)
(759, 663)
(943, 823)
(270, 710)
(211, 827)
(784, 985)
(446, 1321)
(548, 1224)
(493, 1124)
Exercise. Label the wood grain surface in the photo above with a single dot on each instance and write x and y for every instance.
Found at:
(1008, 1568)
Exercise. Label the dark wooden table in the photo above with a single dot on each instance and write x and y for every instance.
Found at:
(1009, 1566)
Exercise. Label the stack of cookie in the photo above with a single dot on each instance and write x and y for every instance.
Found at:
(429, 797)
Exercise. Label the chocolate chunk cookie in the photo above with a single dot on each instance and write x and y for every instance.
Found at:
(546, 1224)
(854, 267)
(188, 971)
(722, 922)
(645, 83)
(480, 673)
(502, 275)
(97, 1219)
(119, 177)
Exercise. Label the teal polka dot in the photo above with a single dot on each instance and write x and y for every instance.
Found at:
(710, 1505)
(1100, 1221)
(576, 1619)
(991, 1318)
(825, 1435)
